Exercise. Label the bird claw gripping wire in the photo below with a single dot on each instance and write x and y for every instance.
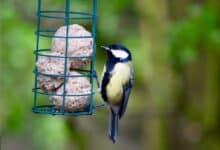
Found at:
(100, 105)
(97, 81)
(98, 90)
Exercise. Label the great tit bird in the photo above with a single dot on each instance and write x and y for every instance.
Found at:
(116, 84)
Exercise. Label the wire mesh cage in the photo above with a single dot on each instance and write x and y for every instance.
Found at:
(64, 72)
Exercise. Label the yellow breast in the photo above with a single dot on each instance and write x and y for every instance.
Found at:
(120, 76)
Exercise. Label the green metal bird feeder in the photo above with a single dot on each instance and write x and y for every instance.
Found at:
(64, 73)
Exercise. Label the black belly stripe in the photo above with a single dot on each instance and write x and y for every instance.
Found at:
(106, 78)
(105, 81)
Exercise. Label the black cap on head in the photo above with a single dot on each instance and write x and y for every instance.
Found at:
(118, 51)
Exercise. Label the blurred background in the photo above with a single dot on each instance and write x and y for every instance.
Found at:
(175, 101)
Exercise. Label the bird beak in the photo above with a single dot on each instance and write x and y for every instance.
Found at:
(106, 48)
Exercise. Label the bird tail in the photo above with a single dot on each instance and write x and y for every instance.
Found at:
(113, 126)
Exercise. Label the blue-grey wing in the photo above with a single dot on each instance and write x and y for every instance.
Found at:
(126, 93)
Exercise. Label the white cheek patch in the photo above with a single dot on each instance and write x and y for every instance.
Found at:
(119, 54)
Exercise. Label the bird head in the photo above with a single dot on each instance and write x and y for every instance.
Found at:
(117, 52)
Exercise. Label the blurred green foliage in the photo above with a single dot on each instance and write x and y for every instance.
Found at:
(16, 73)
(198, 30)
